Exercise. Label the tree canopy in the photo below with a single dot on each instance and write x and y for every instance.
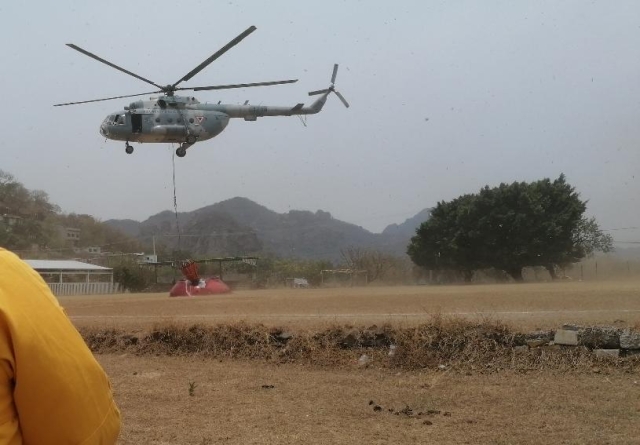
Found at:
(509, 227)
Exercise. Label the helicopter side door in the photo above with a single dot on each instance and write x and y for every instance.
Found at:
(136, 123)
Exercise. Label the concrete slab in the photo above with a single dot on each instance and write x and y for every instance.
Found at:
(566, 337)
(607, 352)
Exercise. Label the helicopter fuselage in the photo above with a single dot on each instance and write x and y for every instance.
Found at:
(176, 119)
(162, 120)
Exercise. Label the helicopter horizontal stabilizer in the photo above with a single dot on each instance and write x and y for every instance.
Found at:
(297, 107)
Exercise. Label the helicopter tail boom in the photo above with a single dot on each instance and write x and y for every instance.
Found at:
(251, 112)
(317, 106)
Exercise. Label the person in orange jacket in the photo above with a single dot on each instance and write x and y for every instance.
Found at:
(52, 389)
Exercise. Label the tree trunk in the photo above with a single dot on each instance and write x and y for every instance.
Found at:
(516, 274)
(552, 271)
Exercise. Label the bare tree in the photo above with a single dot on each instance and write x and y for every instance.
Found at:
(375, 262)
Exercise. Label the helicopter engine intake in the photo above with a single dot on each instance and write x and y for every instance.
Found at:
(135, 105)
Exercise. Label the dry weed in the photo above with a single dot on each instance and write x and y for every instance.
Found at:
(444, 343)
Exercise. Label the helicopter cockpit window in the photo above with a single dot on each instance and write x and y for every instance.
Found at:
(119, 119)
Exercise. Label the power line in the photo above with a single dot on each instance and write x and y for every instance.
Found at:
(620, 228)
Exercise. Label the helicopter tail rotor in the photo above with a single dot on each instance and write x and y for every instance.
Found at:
(332, 88)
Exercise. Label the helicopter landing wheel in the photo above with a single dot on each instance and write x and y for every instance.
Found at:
(128, 149)
(191, 139)
(181, 152)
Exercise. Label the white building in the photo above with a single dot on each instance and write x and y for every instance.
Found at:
(66, 277)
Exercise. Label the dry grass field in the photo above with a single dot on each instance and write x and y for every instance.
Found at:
(525, 306)
(239, 401)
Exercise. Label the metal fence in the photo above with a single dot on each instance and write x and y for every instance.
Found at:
(61, 289)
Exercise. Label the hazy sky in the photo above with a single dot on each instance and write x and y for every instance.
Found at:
(446, 98)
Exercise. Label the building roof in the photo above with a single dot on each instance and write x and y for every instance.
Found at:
(64, 265)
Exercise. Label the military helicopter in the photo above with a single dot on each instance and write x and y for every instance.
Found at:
(183, 119)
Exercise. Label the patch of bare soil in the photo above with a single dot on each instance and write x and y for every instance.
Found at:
(194, 400)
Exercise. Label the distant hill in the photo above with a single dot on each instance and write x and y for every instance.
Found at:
(408, 228)
(127, 226)
(239, 226)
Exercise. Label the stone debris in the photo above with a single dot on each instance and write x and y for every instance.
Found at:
(604, 341)
(545, 336)
(372, 337)
(364, 360)
(536, 343)
(630, 340)
(599, 337)
(409, 412)
(283, 337)
(570, 327)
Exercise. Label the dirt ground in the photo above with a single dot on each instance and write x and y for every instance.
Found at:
(236, 402)
(524, 306)
(255, 402)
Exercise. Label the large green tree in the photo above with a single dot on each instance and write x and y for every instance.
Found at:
(508, 228)
(27, 218)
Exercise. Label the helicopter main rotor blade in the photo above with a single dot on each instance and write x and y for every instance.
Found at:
(240, 85)
(112, 65)
(217, 54)
(344, 101)
(106, 98)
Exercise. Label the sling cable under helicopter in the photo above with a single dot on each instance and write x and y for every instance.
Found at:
(193, 284)
(183, 119)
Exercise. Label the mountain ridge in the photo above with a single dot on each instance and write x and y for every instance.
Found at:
(240, 226)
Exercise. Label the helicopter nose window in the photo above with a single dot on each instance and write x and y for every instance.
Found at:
(119, 119)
